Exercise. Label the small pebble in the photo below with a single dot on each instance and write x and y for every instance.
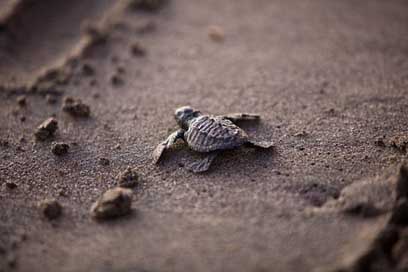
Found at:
(4, 143)
(120, 70)
(59, 149)
(76, 107)
(216, 33)
(104, 161)
(46, 129)
(113, 203)
(116, 80)
(50, 208)
(22, 100)
(137, 50)
(11, 185)
(379, 142)
(20, 148)
(331, 111)
(62, 192)
(87, 69)
(301, 134)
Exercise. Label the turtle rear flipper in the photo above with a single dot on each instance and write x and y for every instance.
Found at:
(259, 144)
(239, 117)
(204, 164)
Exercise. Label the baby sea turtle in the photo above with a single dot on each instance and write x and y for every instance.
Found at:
(209, 134)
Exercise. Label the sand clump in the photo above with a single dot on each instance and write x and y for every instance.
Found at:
(128, 178)
(50, 209)
(103, 161)
(388, 250)
(380, 142)
(4, 143)
(216, 33)
(117, 80)
(11, 185)
(59, 149)
(113, 203)
(137, 50)
(22, 100)
(87, 69)
(46, 129)
(400, 142)
(76, 107)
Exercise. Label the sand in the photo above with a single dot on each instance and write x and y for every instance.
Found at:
(329, 79)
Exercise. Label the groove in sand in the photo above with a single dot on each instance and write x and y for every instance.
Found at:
(36, 36)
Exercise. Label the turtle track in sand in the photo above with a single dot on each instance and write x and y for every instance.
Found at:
(36, 36)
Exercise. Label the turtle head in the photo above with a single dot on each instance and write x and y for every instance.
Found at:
(184, 115)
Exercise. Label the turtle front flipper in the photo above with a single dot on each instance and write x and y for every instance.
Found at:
(239, 117)
(259, 144)
(204, 164)
(159, 150)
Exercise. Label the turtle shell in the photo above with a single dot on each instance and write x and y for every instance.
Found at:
(209, 133)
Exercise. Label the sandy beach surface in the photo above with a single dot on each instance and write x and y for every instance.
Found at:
(329, 78)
